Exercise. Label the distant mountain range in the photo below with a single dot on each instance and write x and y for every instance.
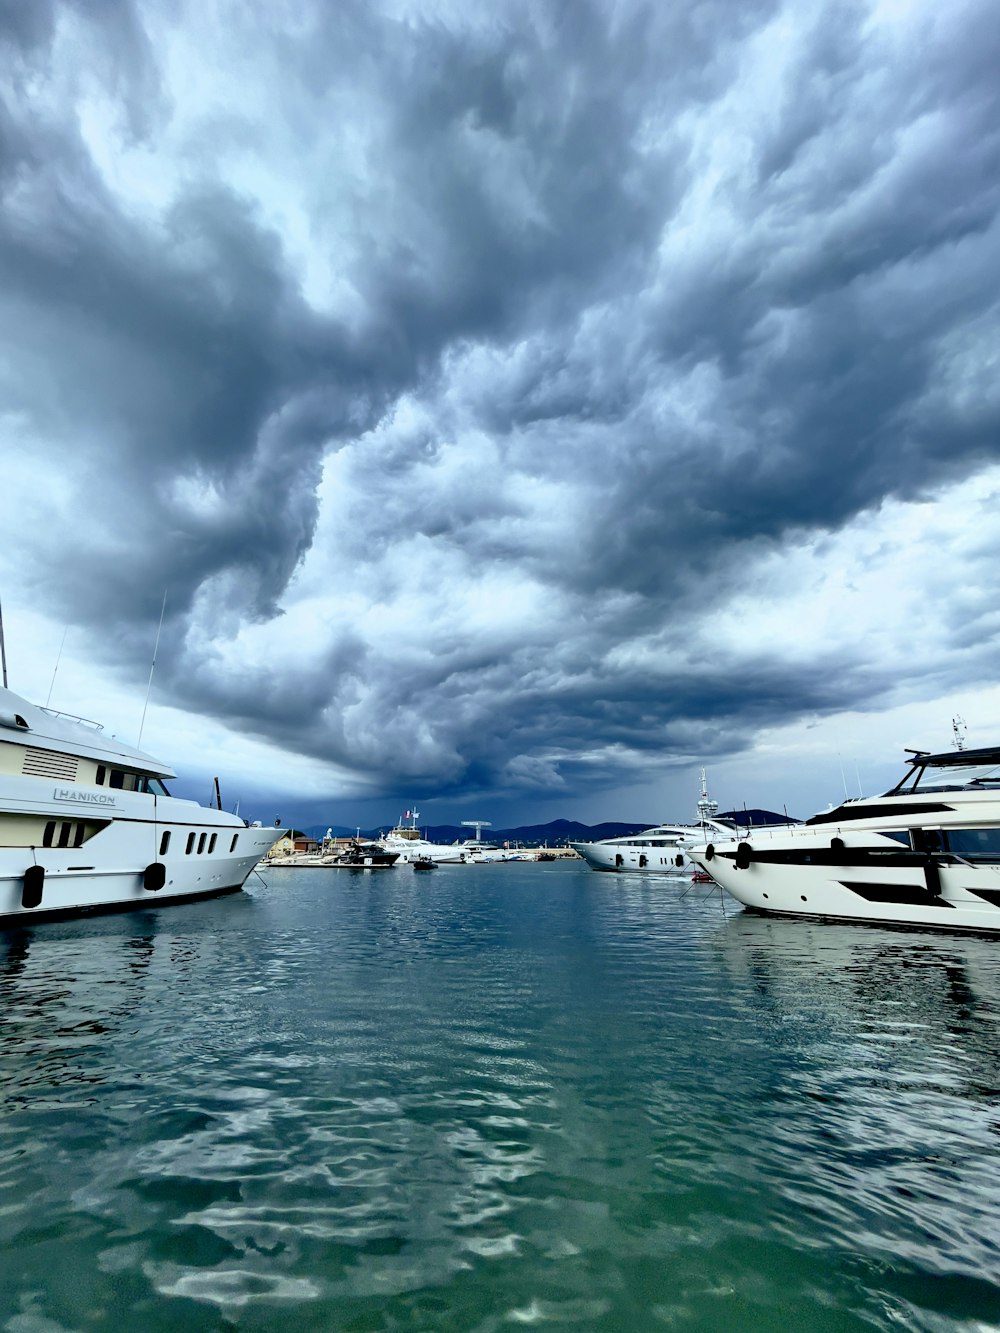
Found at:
(553, 834)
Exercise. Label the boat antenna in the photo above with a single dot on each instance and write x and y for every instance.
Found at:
(218, 796)
(3, 651)
(152, 668)
(56, 667)
(958, 731)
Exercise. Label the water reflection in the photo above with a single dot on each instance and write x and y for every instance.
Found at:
(882, 1078)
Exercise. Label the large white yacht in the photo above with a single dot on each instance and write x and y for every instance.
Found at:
(656, 851)
(406, 841)
(926, 853)
(87, 823)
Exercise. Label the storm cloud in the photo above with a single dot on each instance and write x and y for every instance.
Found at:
(514, 407)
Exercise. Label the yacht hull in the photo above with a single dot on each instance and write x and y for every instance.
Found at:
(623, 858)
(861, 884)
(113, 868)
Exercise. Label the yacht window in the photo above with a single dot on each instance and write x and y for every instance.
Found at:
(78, 838)
(101, 775)
(156, 787)
(190, 845)
(201, 843)
(164, 842)
(232, 845)
(49, 834)
(211, 843)
(117, 778)
(64, 829)
(975, 843)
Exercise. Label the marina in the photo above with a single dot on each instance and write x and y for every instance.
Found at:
(536, 1095)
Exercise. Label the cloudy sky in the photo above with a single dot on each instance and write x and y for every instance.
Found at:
(519, 406)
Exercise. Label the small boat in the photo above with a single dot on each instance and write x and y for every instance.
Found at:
(88, 824)
(423, 863)
(925, 853)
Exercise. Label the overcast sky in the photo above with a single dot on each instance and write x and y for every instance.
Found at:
(520, 406)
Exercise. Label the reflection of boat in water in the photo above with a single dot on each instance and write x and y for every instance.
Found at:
(406, 842)
(933, 998)
(656, 851)
(926, 853)
(87, 823)
(361, 856)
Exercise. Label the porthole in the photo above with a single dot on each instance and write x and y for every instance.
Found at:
(201, 843)
(232, 845)
(190, 845)
(802, 896)
(164, 842)
(765, 895)
(211, 843)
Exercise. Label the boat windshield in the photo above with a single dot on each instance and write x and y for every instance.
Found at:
(951, 777)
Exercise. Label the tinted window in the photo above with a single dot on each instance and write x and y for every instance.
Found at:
(165, 842)
(975, 843)
(232, 845)
(211, 843)
(117, 778)
(101, 773)
(201, 844)
(49, 833)
(190, 845)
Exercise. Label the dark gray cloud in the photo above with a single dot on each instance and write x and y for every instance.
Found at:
(452, 371)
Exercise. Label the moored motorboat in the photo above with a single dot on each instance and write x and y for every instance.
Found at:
(361, 856)
(88, 824)
(408, 844)
(925, 853)
(661, 850)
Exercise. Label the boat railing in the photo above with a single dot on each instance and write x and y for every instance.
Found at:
(72, 717)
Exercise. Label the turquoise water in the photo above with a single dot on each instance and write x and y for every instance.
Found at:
(493, 1097)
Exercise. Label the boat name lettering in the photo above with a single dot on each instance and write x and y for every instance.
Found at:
(88, 797)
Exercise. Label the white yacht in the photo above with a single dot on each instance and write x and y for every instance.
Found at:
(87, 823)
(656, 851)
(409, 846)
(926, 853)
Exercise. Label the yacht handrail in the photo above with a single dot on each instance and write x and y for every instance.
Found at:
(73, 717)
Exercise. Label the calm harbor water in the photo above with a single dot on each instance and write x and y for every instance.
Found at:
(491, 1097)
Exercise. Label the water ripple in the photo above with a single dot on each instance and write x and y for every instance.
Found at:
(530, 1096)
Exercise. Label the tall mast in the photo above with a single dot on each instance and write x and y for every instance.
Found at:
(706, 806)
(3, 651)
